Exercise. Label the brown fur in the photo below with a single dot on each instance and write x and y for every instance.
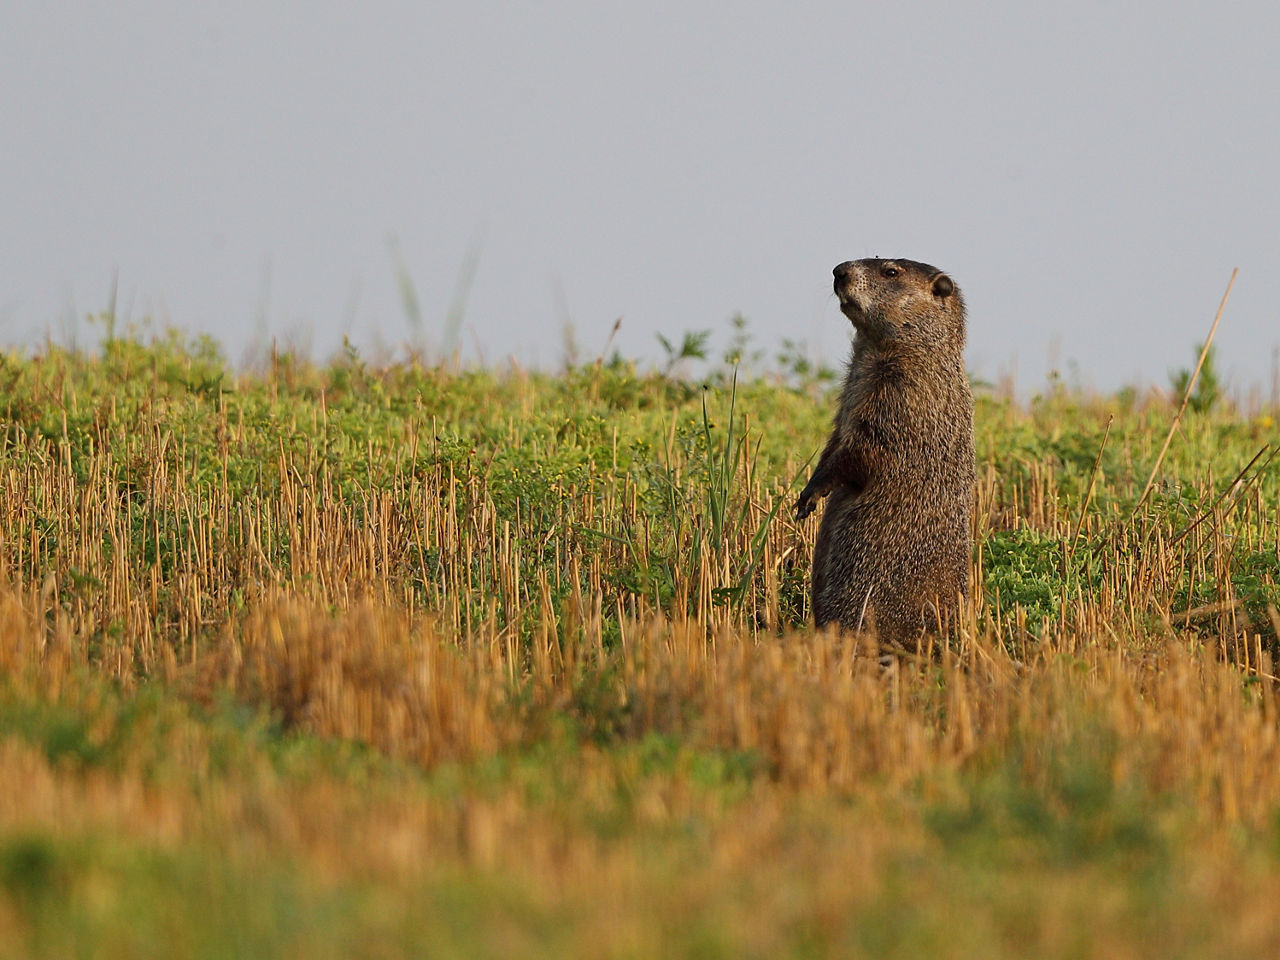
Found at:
(893, 549)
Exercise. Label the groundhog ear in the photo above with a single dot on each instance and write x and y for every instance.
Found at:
(943, 286)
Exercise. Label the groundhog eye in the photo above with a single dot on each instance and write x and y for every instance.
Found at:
(891, 271)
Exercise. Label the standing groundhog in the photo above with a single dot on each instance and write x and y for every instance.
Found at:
(893, 549)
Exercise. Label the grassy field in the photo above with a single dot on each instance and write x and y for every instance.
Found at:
(363, 661)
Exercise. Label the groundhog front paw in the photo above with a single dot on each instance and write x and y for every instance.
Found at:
(804, 506)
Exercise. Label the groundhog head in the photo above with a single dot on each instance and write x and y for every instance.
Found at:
(901, 305)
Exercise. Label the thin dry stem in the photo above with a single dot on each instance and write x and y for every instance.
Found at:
(1186, 396)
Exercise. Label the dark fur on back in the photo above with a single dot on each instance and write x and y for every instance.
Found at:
(893, 549)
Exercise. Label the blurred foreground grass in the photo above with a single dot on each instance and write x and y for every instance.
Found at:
(374, 662)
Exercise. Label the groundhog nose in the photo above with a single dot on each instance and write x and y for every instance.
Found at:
(843, 271)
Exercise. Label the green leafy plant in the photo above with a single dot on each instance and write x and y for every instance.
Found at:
(1207, 391)
(693, 346)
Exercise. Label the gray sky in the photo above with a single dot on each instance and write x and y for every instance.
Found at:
(1089, 173)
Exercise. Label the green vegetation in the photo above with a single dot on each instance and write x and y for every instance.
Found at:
(379, 661)
(1208, 387)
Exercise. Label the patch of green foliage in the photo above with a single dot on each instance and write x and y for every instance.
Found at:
(1208, 386)
(1023, 570)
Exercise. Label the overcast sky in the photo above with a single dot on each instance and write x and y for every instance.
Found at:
(1089, 173)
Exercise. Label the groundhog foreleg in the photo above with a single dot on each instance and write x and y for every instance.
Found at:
(820, 482)
(839, 463)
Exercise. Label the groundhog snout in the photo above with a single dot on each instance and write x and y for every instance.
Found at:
(845, 283)
(849, 285)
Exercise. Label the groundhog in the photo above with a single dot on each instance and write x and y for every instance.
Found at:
(893, 548)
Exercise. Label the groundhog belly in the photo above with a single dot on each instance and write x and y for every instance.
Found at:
(887, 561)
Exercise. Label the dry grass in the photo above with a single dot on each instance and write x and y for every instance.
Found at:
(855, 776)
(591, 721)
(819, 712)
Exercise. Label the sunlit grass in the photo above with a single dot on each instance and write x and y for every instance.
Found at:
(397, 661)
